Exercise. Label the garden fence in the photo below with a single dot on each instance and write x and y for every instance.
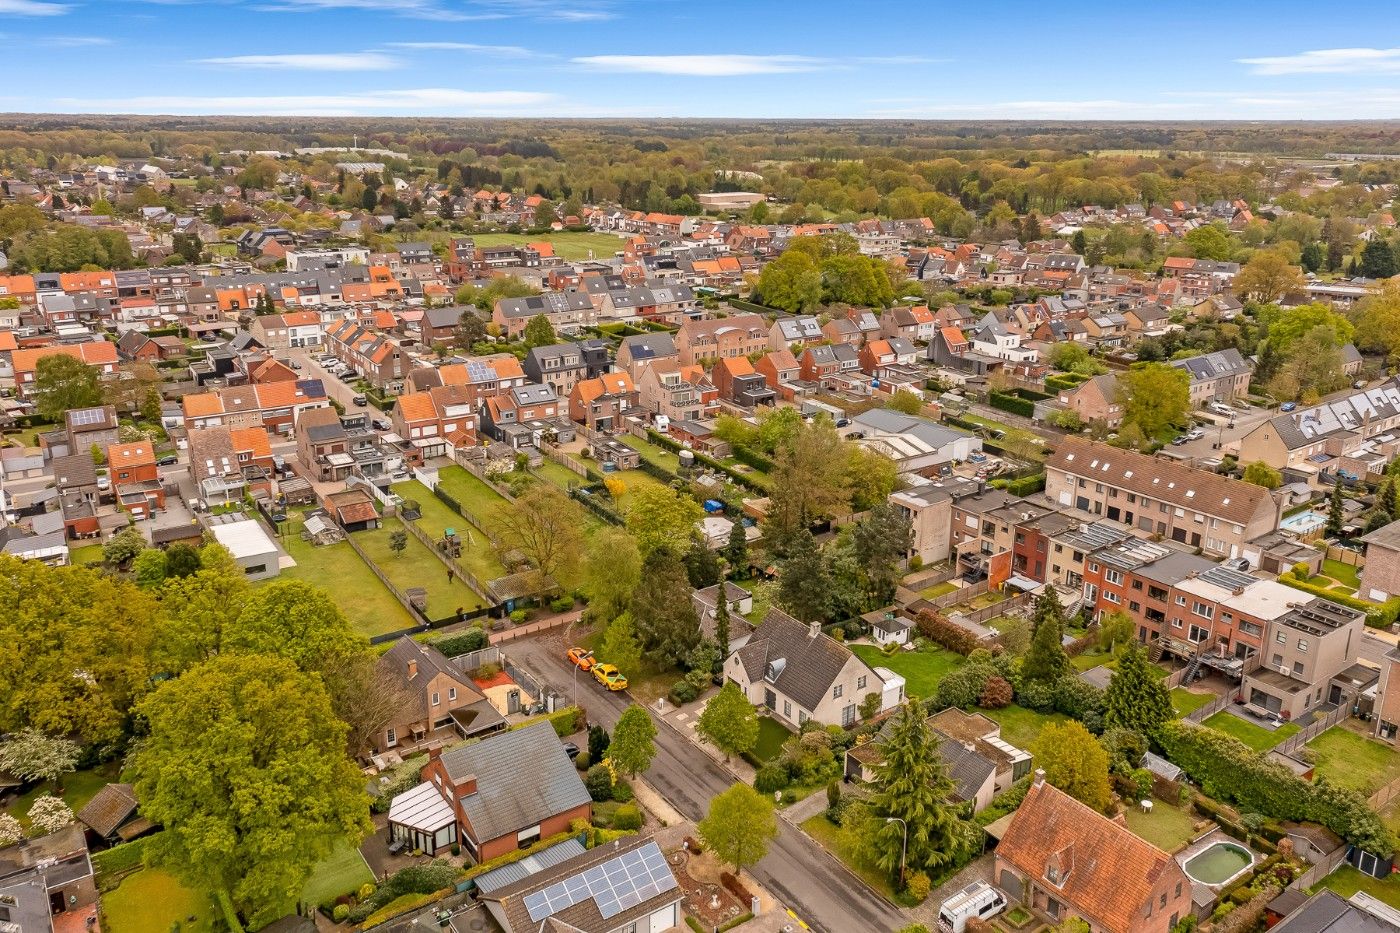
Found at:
(474, 659)
(457, 570)
(383, 578)
(1209, 710)
(1296, 741)
(1385, 795)
(997, 609)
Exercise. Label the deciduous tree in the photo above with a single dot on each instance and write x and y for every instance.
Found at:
(1154, 396)
(30, 755)
(633, 741)
(294, 620)
(1074, 762)
(539, 332)
(1261, 474)
(729, 721)
(62, 383)
(612, 568)
(620, 646)
(739, 826)
(245, 768)
(546, 526)
(1268, 276)
(660, 517)
(49, 814)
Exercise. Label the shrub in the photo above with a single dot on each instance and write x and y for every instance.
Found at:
(581, 761)
(771, 778)
(562, 604)
(682, 693)
(918, 886)
(936, 628)
(627, 817)
(622, 792)
(789, 797)
(996, 693)
(1012, 403)
(1036, 695)
(599, 781)
(340, 912)
(964, 686)
(473, 639)
(1077, 698)
(519, 615)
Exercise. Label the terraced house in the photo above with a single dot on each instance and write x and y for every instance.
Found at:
(1355, 433)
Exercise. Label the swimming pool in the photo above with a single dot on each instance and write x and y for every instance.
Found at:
(1218, 864)
(1303, 522)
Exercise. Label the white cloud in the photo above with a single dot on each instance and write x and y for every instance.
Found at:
(1328, 61)
(32, 8)
(418, 101)
(1350, 104)
(505, 51)
(329, 61)
(558, 10)
(417, 9)
(703, 66)
(75, 42)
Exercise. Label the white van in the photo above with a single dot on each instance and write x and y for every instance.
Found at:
(979, 900)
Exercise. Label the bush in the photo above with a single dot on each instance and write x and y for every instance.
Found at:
(627, 817)
(519, 615)
(771, 778)
(565, 721)
(964, 686)
(1036, 695)
(682, 693)
(622, 792)
(1077, 698)
(1012, 403)
(473, 639)
(936, 628)
(599, 781)
(562, 604)
(918, 886)
(996, 693)
(340, 912)
(581, 761)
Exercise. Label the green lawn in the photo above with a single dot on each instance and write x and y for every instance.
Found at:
(87, 554)
(472, 494)
(636, 480)
(666, 459)
(478, 555)
(828, 835)
(921, 670)
(417, 566)
(1166, 827)
(341, 872)
(938, 589)
(1342, 573)
(78, 788)
(558, 474)
(1021, 726)
(366, 602)
(568, 245)
(1256, 737)
(1355, 762)
(153, 901)
(771, 736)
(1346, 881)
(1188, 701)
(29, 437)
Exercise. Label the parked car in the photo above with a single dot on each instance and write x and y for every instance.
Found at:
(167, 460)
(1359, 384)
(581, 658)
(978, 901)
(381, 424)
(293, 364)
(1220, 408)
(977, 458)
(359, 400)
(1288, 406)
(571, 749)
(1179, 440)
(609, 676)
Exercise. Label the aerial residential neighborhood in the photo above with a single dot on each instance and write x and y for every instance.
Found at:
(464, 468)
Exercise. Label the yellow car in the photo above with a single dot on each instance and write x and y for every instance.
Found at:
(609, 677)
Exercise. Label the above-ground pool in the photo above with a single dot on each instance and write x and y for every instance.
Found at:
(1303, 522)
(1218, 863)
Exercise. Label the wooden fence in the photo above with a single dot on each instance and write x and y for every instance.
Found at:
(1320, 869)
(960, 595)
(997, 609)
(412, 610)
(533, 628)
(474, 659)
(1344, 555)
(1385, 795)
(566, 461)
(1207, 711)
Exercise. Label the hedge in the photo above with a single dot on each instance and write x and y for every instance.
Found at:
(402, 904)
(1012, 403)
(1024, 486)
(753, 459)
(1228, 769)
(120, 858)
(511, 857)
(740, 305)
(565, 721)
(473, 639)
(1061, 381)
(743, 479)
(231, 920)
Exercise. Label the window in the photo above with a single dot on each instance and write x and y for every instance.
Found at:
(1281, 638)
(860, 682)
(1180, 599)
(1135, 606)
(1113, 576)
(1111, 597)
(801, 716)
(391, 738)
(836, 691)
(1203, 609)
(1297, 668)
(527, 837)
(1178, 894)
(787, 709)
(1278, 660)
(1249, 628)
(1302, 644)
(436, 699)
(1137, 584)
(451, 694)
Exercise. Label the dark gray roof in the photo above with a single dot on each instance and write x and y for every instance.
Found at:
(522, 777)
(1326, 912)
(74, 470)
(1211, 366)
(649, 346)
(531, 864)
(784, 652)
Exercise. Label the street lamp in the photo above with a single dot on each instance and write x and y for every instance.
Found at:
(904, 847)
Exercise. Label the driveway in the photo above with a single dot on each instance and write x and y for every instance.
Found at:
(811, 883)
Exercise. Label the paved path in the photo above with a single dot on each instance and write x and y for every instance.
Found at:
(819, 890)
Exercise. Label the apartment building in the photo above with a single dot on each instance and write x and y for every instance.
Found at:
(1157, 496)
(723, 338)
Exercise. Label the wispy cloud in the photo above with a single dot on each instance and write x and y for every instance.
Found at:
(33, 8)
(901, 60)
(505, 51)
(74, 42)
(703, 66)
(1328, 61)
(416, 101)
(476, 10)
(311, 61)
(416, 9)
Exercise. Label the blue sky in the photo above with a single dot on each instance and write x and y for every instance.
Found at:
(1092, 59)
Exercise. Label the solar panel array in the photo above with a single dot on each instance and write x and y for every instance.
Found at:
(616, 885)
(84, 416)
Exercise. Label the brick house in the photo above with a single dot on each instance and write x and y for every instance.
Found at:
(440, 702)
(433, 418)
(1095, 399)
(98, 354)
(322, 445)
(604, 403)
(135, 479)
(1380, 576)
(723, 338)
(1067, 860)
(1222, 376)
(493, 797)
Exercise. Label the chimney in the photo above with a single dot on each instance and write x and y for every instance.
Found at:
(1039, 776)
(434, 751)
(412, 669)
(814, 629)
(465, 786)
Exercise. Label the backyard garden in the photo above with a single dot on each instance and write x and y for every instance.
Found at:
(1256, 737)
(366, 602)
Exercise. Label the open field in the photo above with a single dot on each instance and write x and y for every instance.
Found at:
(568, 245)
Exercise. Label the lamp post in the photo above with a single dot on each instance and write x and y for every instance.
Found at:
(904, 847)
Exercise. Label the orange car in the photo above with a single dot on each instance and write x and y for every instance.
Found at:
(582, 658)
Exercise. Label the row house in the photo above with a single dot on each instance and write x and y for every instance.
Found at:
(638, 351)
(563, 365)
(526, 416)
(566, 312)
(678, 393)
(435, 418)
(101, 355)
(1221, 376)
(738, 382)
(135, 479)
(480, 377)
(323, 445)
(794, 331)
(273, 405)
(915, 324)
(1360, 425)
(378, 358)
(783, 374)
(722, 338)
(1162, 497)
(1095, 400)
(605, 402)
(993, 339)
(294, 329)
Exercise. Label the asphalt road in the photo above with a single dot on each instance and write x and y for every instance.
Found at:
(799, 872)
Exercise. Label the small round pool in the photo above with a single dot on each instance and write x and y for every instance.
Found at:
(1218, 863)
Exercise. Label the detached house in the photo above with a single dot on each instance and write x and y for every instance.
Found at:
(135, 479)
(1095, 399)
(440, 702)
(493, 797)
(800, 673)
(1067, 860)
